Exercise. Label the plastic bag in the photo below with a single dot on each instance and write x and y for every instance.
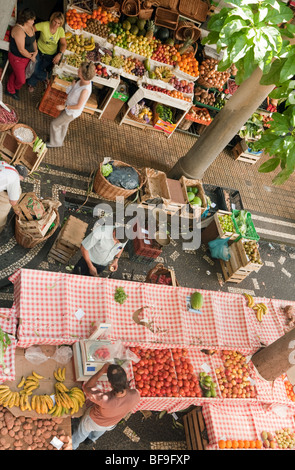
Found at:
(63, 354)
(219, 248)
(114, 352)
(30, 69)
(124, 177)
(35, 355)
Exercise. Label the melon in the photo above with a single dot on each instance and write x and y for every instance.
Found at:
(195, 190)
(190, 196)
(126, 25)
(141, 24)
(196, 300)
(132, 19)
(197, 201)
(134, 29)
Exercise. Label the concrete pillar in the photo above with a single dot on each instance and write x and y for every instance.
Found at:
(222, 130)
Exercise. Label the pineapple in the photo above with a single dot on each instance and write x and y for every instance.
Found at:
(150, 30)
(185, 46)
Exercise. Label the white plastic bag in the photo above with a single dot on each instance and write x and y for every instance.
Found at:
(30, 69)
(35, 355)
(63, 354)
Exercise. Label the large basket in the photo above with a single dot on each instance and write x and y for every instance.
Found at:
(187, 30)
(17, 126)
(109, 5)
(110, 192)
(9, 125)
(29, 240)
(159, 270)
(130, 7)
(196, 10)
(135, 118)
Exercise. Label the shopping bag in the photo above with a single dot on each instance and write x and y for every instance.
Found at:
(30, 68)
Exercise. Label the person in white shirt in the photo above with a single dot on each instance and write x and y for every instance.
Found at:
(10, 188)
(78, 94)
(99, 249)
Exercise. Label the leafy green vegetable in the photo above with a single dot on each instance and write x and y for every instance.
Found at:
(106, 169)
(4, 342)
(120, 295)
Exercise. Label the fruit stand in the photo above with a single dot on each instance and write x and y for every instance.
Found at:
(195, 341)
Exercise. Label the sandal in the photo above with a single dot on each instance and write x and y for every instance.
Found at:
(31, 88)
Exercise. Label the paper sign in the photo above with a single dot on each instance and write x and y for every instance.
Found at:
(147, 242)
(206, 368)
(79, 314)
(56, 443)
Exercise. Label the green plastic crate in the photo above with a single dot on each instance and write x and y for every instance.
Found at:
(251, 231)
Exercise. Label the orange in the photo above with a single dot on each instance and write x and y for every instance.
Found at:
(228, 444)
(235, 444)
(241, 444)
(221, 444)
(252, 444)
(258, 444)
(246, 444)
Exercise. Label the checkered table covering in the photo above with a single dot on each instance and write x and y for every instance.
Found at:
(46, 303)
(8, 322)
(244, 421)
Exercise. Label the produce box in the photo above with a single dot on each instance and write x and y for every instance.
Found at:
(185, 183)
(30, 207)
(156, 187)
(69, 240)
(251, 233)
(145, 245)
(199, 115)
(250, 255)
(225, 225)
(161, 124)
(239, 265)
(60, 84)
(24, 368)
(195, 430)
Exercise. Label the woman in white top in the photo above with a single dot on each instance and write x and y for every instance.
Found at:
(78, 94)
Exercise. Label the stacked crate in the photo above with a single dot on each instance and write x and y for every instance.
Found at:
(69, 240)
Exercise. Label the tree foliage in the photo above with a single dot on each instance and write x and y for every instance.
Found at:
(253, 34)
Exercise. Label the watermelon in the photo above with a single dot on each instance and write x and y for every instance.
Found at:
(196, 300)
(196, 201)
(163, 34)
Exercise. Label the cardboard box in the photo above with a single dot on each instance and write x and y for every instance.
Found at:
(24, 368)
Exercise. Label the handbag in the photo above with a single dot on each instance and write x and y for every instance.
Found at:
(30, 68)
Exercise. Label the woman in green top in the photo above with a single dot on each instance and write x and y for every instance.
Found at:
(51, 46)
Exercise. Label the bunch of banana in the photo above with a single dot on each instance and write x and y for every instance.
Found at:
(24, 402)
(68, 35)
(8, 398)
(261, 309)
(60, 374)
(163, 73)
(42, 404)
(250, 299)
(29, 383)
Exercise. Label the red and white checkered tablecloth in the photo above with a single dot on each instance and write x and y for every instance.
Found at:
(8, 322)
(244, 421)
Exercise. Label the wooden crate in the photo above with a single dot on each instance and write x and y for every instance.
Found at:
(69, 240)
(195, 430)
(251, 158)
(194, 211)
(30, 207)
(238, 267)
(8, 146)
(221, 233)
(27, 157)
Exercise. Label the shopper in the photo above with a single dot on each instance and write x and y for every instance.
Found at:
(22, 49)
(107, 408)
(10, 188)
(102, 247)
(51, 47)
(78, 94)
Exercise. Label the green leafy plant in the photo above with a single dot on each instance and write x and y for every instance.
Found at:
(253, 34)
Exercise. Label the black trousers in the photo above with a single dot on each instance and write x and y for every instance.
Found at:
(82, 268)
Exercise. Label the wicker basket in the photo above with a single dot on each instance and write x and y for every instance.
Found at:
(160, 270)
(7, 126)
(145, 14)
(130, 7)
(109, 5)
(135, 118)
(197, 10)
(17, 126)
(109, 191)
(187, 30)
(29, 240)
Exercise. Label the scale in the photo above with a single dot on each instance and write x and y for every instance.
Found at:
(85, 362)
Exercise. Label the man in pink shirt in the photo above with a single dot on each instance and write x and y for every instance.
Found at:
(107, 408)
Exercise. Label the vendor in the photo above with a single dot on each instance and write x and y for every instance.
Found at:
(102, 247)
(108, 408)
(10, 188)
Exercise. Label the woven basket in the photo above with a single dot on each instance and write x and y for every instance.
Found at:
(160, 270)
(109, 191)
(26, 240)
(7, 126)
(130, 7)
(187, 30)
(197, 10)
(17, 126)
(109, 5)
(135, 118)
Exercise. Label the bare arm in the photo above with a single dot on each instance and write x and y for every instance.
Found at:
(62, 48)
(79, 105)
(91, 383)
(19, 37)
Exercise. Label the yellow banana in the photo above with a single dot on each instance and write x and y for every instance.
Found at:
(11, 402)
(259, 314)
(7, 399)
(49, 402)
(33, 402)
(37, 376)
(30, 389)
(22, 382)
(249, 299)
(31, 383)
